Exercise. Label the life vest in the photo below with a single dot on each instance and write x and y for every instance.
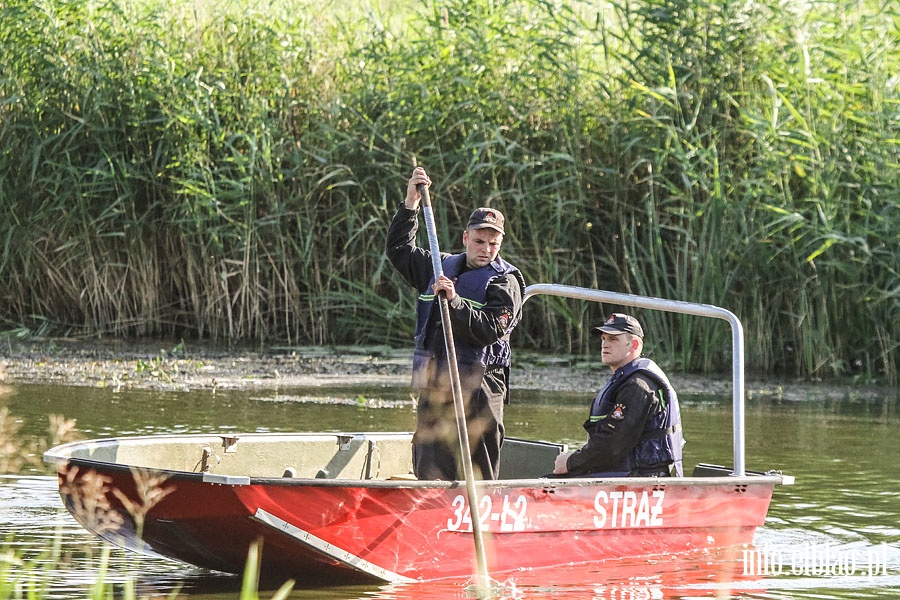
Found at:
(472, 286)
(661, 440)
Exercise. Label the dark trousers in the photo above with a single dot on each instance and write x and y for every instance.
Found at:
(436, 442)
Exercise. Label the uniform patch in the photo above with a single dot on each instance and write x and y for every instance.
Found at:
(618, 413)
(504, 319)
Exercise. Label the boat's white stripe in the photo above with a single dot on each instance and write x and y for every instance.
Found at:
(339, 554)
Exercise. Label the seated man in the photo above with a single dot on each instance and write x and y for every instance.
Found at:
(634, 428)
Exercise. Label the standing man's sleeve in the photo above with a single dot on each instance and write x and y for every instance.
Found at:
(412, 262)
(501, 312)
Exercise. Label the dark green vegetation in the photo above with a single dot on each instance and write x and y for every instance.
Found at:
(227, 170)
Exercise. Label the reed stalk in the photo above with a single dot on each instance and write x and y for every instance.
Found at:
(226, 171)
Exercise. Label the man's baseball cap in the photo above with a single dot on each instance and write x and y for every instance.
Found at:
(619, 323)
(486, 217)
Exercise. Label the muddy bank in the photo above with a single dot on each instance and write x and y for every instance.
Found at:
(173, 366)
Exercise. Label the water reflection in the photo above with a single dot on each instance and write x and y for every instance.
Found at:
(844, 506)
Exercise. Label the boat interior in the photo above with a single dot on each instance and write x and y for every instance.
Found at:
(352, 456)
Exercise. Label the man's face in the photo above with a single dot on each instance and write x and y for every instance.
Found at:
(482, 246)
(615, 350)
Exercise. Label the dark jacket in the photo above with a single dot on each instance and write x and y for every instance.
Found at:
(634, 427)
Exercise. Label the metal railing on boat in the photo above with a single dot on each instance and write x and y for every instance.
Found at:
(681, 307)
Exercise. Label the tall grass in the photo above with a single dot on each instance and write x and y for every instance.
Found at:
(227, 170)
(31, 578)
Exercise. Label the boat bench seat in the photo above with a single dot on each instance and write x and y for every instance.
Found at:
(323, 456)
(338, 456)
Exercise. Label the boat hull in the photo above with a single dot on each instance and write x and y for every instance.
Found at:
(399, 531)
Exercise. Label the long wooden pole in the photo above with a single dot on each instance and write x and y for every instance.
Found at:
(456, 388)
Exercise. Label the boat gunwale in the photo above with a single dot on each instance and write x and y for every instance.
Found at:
(750, 478)
(61, 456)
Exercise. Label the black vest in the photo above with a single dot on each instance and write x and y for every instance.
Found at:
(661, 441)
(472, 286)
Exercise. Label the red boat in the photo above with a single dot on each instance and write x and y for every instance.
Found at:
(343, 507)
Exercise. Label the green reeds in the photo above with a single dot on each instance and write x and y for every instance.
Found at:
(227, 171)
(24, 578)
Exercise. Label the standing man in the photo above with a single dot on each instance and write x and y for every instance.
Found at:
(634, 428)
(484, 294)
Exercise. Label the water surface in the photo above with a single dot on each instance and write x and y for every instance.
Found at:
(833, 535)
